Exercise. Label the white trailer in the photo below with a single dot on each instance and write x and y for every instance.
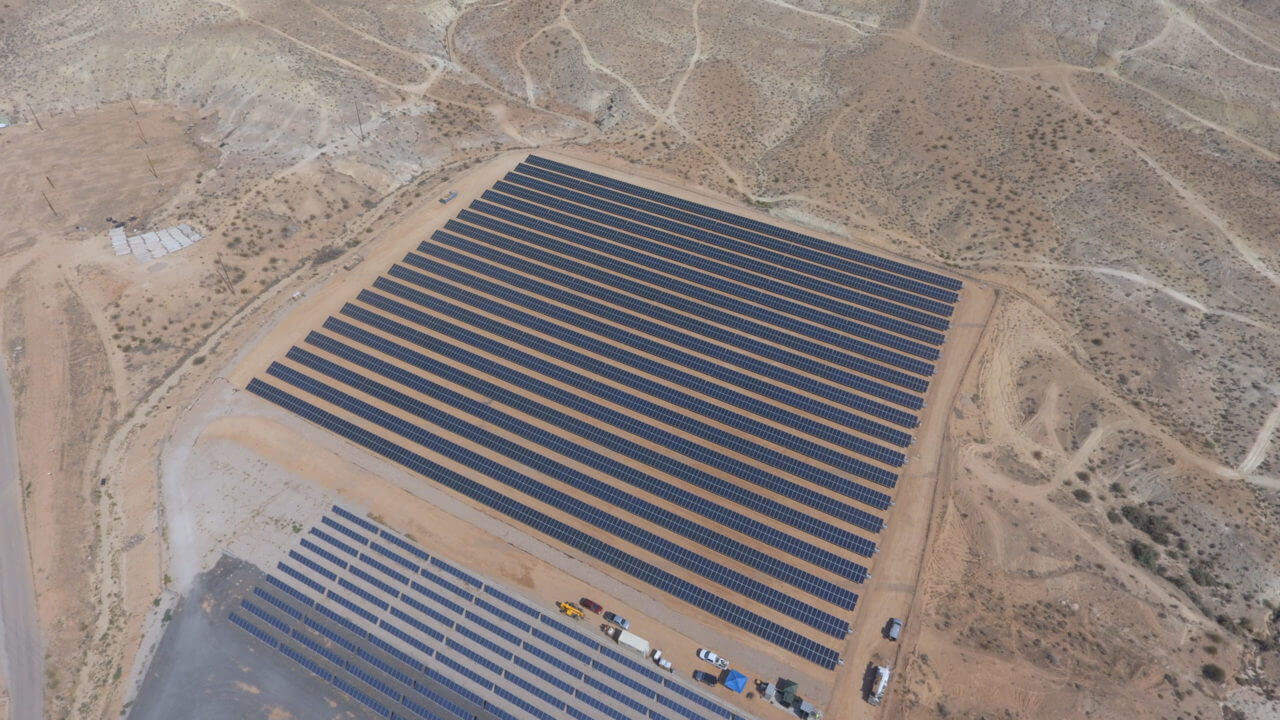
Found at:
(880, 685)
(631, 640)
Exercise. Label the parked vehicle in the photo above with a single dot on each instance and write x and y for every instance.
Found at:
(880, 685)
(618, 620)
(705, 678)
(444, 199)
(591, 605)
(895, 629)
(660, 660)
(626, 639)
(713, 658)
(570, 609)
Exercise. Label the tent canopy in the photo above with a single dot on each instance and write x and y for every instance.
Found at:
(735, 681)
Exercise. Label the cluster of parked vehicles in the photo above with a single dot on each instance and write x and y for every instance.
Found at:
(619, 628)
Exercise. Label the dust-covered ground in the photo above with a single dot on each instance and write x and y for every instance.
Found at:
(1103, 542)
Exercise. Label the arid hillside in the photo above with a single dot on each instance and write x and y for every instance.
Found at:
(1105, 539)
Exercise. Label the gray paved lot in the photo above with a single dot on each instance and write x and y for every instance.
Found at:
(208, 669)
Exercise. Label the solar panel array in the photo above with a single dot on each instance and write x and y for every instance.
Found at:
(404, 651)
(713, 405)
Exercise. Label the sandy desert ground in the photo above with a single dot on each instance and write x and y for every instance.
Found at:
(1103, 541)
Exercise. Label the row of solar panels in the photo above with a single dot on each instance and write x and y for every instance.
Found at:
(695, 404)
(598, 433)
(517, 358)
(511, 621)
(690, 281)
(682, 589)
(695, 531)
(661, 359)
(873, 360)
(625, 472)
(571, 505)
(896, 273)
(878, 305)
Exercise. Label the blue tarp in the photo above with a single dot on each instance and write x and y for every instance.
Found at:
(735, 681)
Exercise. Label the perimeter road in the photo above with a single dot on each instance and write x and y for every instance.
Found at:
(21, 656)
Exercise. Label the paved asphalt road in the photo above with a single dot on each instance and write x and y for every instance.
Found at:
(22, 657)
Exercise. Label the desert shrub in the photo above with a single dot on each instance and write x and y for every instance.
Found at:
(1213, 672)
(326, 254)
(1143, 553)
(1203, 577)
(1082, 495)
(1155, 526)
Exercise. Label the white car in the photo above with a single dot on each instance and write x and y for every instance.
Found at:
(713, 658)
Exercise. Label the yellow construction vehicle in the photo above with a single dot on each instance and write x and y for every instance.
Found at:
(570, 609)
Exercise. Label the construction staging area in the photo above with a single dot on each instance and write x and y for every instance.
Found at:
(717, 412)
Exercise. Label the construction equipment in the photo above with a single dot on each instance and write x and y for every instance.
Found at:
(570, 609)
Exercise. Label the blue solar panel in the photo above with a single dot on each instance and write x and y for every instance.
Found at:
(333, 541)
(345, 530)
(404, 545)
(908, 356)
(494, 628)
(624, 420)
(317, 647)
(384, 569)
(279, 604)
(292, 591)
(465, 671)
(560, 318)
(524, 705)
(677, 587)
(512, 602)
(418, 624)
(561, 645)
(680, 708)
(616, 695)
(395, 556)
(628, 681)
(545, 675)
(406, 637)
(463, 576)
(253, 629)
(664, 390)
(815, 285)
(695, 531)
(334, 559)
(630, 449)
(697, 698)
(313, 566)
(300, 577)
(726, 291)
(435, 596)
(901, 270)
(678, 554)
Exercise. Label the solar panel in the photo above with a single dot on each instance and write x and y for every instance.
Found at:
(902, 270)
(601, 436)
(695, 531)
(728, 281)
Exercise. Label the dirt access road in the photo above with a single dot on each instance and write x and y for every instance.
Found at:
(20, 653)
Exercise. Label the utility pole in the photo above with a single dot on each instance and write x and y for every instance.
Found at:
(152, 166)
(144, 137)
(46, 199)
(360, 122)
(36, 118)
(46, 179)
